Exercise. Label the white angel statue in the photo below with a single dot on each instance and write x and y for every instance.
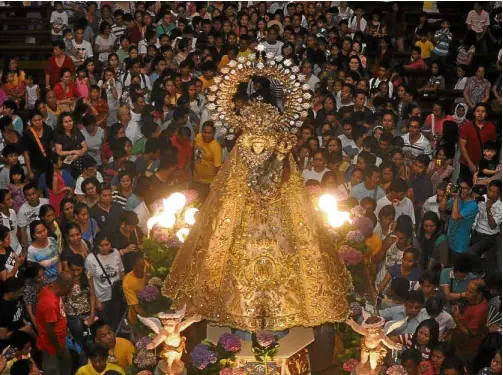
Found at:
(168, 327)
(375, 342)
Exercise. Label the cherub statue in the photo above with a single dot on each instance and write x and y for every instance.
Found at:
(168, 327)
(374, 342)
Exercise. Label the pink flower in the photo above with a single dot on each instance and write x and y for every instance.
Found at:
(396, 370)
(230, 343)
(364, 225)
(354, 236)
(265, 339)
(350, 255)
(232, 371)
(350, 365)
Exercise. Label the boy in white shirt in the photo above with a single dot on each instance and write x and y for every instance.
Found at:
(59, 20)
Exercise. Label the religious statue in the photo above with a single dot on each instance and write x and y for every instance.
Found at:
(259, 257)
(375, 342)
(168, 327)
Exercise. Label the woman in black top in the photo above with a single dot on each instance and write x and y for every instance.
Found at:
(70, 143)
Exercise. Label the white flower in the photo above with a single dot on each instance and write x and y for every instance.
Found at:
(218, 123)
(299, 100)
(278, 58)
(211, 106)
(225, 70)
(298, 124)
(293, 78)
(232, 63)
(233, 71)
(269, 55)
(211, 97)
(248, 63)
(260, 48)
(287, 62)
(286, 71)
(221, 117)
(306, 105)
(272, 62)
(301, 77)
(217, 79)
(241, 59)
(303, 114)
(226, 78)
(306, 87)
(295, 69)
(240, 66)
(230, 137)
(214, 116)
(260, 65)
(306, 96)
(214, 88)
(294, 130)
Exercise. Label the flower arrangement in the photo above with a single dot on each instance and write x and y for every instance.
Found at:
(265, 347)
(350, 365)
(148, 294)
(350, 255)
(212, 359)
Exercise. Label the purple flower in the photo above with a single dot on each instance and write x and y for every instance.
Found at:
(148, 294)
(265, 339)
(230, 343)
(143, 342)
(364, 225)
(354, 236)
(350, 255)
(350, 365)
(145, 359)
(202, 356)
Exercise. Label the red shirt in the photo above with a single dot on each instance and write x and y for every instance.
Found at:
(474, 318)
(61, 94)
(417, 65)
(135, 34)
(50, 310)
(487, 133)
(53, 69)
(184, 154)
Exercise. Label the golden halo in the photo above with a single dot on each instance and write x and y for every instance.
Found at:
(296, 99)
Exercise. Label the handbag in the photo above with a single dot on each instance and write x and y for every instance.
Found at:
(117, 291)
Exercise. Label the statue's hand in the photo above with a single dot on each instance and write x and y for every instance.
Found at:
(398, 346)
(197, 318)
(151, 346)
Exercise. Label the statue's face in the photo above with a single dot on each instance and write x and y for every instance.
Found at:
(280, 156)
(169, 324)
(258, 147)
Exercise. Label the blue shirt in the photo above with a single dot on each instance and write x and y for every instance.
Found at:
(360, 191)
(459, 230)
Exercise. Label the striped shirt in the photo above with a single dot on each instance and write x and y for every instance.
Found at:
(422, 146)
(118, 31)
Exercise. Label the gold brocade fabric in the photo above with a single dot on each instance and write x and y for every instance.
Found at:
(254, 263)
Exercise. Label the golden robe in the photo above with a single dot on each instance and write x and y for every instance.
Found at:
(256, 263)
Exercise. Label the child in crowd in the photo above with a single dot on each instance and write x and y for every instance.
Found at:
(32, 92)
(488, 165)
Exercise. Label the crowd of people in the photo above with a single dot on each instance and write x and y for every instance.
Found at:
(119, 121)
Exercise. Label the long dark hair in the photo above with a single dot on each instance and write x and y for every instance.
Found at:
(449, 138)
(427, 246)
(432, 325)
(78, 260)
(50, 170)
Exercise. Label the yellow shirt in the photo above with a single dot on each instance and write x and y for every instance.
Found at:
(426, 49)
(89, 370)
(245, 53)
(123, 352)
(206, 83)
(374, 245)
(207, 159)
(131, 286)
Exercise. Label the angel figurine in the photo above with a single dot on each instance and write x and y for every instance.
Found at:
(168, 327)
(374, 342)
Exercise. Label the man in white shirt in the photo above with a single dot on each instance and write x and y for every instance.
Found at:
(398, 198)
(432, 203)
(415, 143)
(272, 45)
(381, 77)
(311, 79)
(133, 131)
(125, 79)
(487, 223)
(29, 212)
(83, 49)
(319, 167)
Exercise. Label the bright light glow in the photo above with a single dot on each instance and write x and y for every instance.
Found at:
(175, 202)
(152, 221)
(337, 218)
(167, 220)
(189, 215)
(182, 234)
(327, 203)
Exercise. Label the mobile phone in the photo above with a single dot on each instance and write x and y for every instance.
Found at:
(438, 162)
(8, 353)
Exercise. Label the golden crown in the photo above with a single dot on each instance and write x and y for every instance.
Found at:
(296, 98)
